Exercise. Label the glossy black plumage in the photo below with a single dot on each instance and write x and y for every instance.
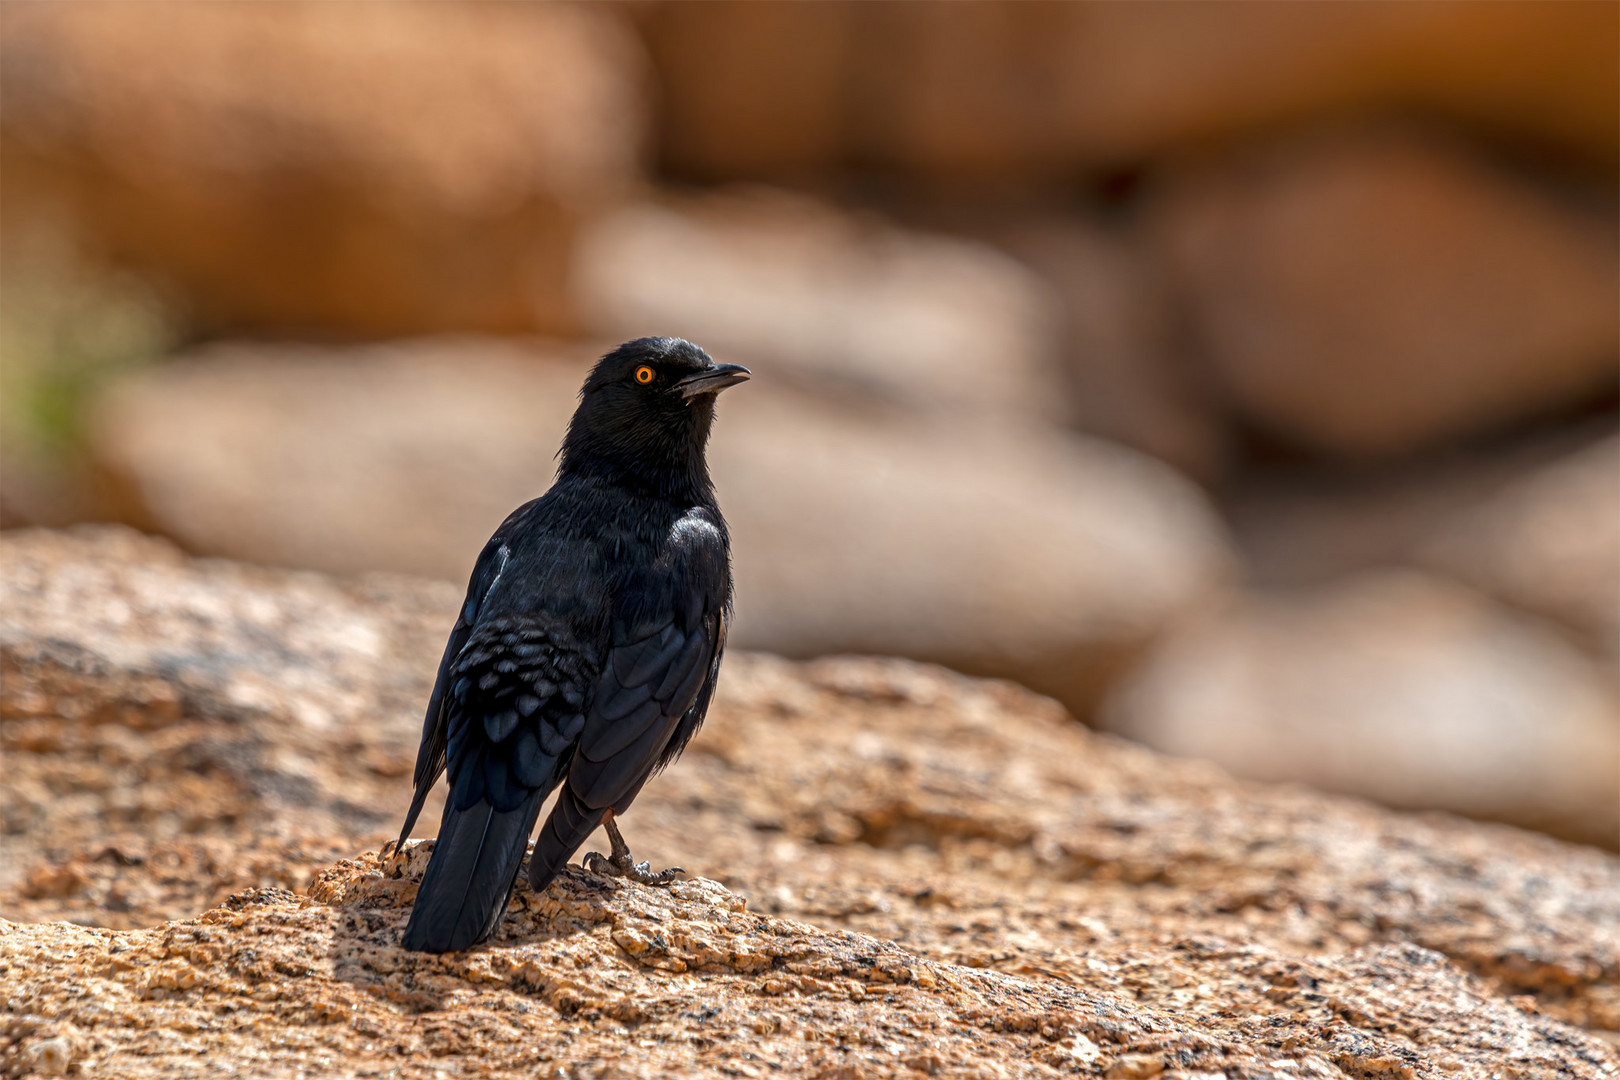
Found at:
(587, 649)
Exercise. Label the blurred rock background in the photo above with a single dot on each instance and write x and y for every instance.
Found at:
(1243, 375)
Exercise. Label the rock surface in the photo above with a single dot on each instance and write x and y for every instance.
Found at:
(388, 168)
(642, 982)
(823, 296)
(1370, 296)
(1015, 550)
(1396, 686)
(1021, 94)
(151, 697)
(942, 876)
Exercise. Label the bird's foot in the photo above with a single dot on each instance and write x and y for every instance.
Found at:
(619, 865)
(597, 863)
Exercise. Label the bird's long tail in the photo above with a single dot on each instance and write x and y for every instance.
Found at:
(470, 877)
(571, 822)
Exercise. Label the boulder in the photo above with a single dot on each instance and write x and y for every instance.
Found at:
(1312, 522)
(698, 985)
(1118, 344)
(368, 169)
(897, 870)
(828, 297)
(403, 456)
(1533, 522)
(1368, 296)
(1015, 551)
(1006, 549)
(1548, 541)
(191, 688)
(1016, 94)
(1396, 686)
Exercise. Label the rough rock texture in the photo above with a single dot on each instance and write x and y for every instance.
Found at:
(148, 697)
(1396, 686)
(592, 978)
(1002, 549)
(1548, 541)
(390, 168)
(1373, 295)
(1021, 93)
(821, 295)
(942, 876)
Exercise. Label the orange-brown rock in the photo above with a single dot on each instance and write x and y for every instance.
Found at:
(364, 169)
(1020, 93)
(591, 977)
(896, 871)
(1372, 295)
(1002, 548)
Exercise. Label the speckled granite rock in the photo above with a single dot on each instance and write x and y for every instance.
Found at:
(916, 873)
(596, 978)
(147, 696)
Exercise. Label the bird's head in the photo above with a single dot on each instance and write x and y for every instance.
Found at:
(645, 411)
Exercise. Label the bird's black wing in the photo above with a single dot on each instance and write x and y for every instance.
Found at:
(653, 690)
(430, 755)
(514, 708)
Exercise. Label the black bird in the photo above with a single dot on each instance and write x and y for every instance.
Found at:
(587, 650)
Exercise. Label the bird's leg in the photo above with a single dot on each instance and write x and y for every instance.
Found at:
(619, 865)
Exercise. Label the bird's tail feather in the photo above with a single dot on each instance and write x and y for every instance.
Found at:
(417, 802)
(568, 826)
(470, 876)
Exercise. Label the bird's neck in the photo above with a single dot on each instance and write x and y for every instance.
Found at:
(663, 464)
(680, 486)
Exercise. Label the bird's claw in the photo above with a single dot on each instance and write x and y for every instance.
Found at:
(648, 876)
(642, 872)
(619, 865)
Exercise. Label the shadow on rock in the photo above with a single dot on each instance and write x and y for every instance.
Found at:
(547, 942)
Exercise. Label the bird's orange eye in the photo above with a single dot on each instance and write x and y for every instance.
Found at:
(644, 375)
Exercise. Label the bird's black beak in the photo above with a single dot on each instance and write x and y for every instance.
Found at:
(712, 381)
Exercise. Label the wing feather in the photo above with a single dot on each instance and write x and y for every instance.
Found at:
(605, 740)
(635, 666)
(652, 689)
(431, 754)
